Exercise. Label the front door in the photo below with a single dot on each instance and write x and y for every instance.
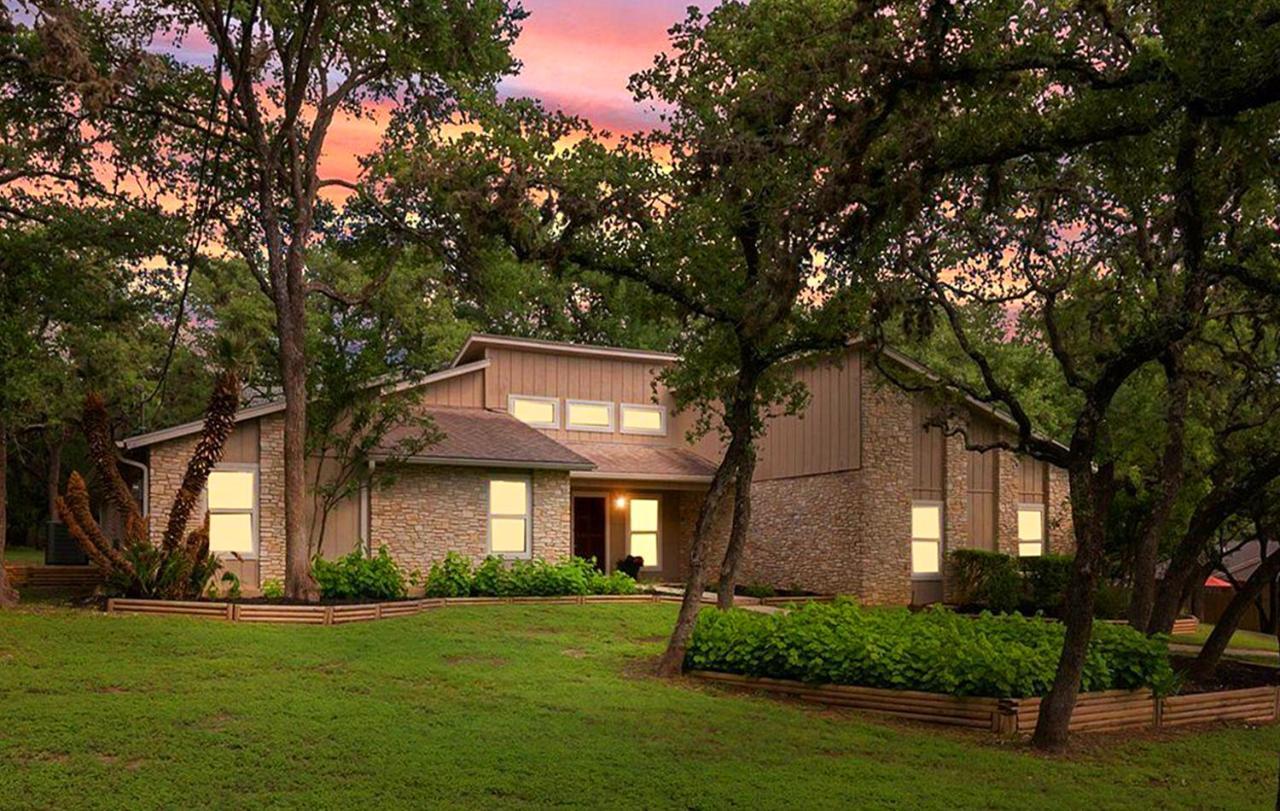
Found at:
(589, 518)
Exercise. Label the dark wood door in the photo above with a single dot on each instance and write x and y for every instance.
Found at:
(589, 528)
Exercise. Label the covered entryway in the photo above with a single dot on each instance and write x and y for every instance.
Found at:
(591, 529)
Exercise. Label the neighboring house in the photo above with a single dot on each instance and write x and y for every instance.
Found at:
(1211, 600)
(552, 449)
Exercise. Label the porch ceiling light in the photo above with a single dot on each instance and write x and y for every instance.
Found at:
(620, 502)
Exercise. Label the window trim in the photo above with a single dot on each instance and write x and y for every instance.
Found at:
(940, 540)
(657, 498)
(527, 480)
(1032, 506)
(239, 467)
(555, 409)
(599, 429)
(662, 417)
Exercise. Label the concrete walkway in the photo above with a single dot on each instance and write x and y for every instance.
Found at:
(1183, 647)
(709, 598)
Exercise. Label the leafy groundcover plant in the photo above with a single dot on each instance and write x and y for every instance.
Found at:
(355, 576)
(936, 650)
(454, 577)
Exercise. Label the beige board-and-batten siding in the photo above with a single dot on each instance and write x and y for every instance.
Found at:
(1107, 711)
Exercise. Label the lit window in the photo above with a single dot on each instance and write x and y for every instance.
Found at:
(232, 501)
(1030, 530)
(643, 419)
(540, 412)
(642, 531)
(585, 415)
(509, 516)
(926, 539)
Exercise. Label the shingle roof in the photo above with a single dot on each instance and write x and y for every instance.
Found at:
(613, 459)
(480, 436)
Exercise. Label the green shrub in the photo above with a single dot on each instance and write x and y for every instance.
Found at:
(494, 577)
(1111, 601)
(935, 651)
(1045, 578)
(157, 574)
(355, 576)
(759, 590)
(614, 583)
(272, 589)
(450, 577)
(986, 579)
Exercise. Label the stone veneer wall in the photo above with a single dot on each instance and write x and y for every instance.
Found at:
(271, 497)
(429, 511)
(1062, 536)
(168, 464)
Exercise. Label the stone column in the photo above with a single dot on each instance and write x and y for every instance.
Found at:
(1008, 492)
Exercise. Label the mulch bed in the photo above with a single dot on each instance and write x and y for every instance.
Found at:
(1230, 675)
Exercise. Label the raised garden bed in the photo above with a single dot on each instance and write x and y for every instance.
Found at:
(344, 612)
(1107, 711)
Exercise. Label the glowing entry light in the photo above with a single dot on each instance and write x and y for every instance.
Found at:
(620, 502)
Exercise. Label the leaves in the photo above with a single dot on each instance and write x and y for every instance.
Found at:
(935, 650)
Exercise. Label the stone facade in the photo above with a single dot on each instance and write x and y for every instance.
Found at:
(429, 511)
(1008, 494)
(271, 497)
(1062, 536)
(168, 466)
(849, 532)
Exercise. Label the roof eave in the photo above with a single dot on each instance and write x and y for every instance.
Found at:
(452, 461)
(275, 406)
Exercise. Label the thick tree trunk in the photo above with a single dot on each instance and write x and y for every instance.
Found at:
(298, 582)
(1207, 660)
(738, 533)
(8, 596)
(1170, 486)
(672, 661)
(1090, 497)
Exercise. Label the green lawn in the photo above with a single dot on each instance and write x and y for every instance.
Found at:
(509, 706)
(23, 554)
(1250, 640)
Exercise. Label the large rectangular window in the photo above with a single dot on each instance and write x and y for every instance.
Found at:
(510, 505)
(642, 531)
(926, 538)
(540, 412)
(1030, 530)
(643, 419)
(588, 415)
(232, 494)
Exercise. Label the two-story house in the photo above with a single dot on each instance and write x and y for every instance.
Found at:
(551, 449)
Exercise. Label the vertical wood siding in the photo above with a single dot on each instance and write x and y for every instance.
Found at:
(466, 391)
(982, 486)
(928, 460)
(543, 374)
(826, 436)
(1032, 484)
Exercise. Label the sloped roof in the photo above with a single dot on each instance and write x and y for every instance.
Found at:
(262, 409)
(615, 460)
(479, 436)
(474, 348)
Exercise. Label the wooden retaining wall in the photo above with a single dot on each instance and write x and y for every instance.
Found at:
(342, 614)
(1107, 711)
(61, 578)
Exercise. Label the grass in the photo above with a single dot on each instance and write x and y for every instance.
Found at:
(23, 554)
(511, 706)
(1246, 640)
